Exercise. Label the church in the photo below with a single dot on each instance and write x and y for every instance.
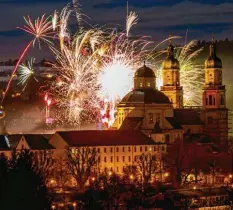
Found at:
(161, 114)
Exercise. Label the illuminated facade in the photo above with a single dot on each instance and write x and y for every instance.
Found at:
(171, 79)
(147, 109)
(215, 113)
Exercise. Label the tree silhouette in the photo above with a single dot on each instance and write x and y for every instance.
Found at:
(81, 163)
(25, 185)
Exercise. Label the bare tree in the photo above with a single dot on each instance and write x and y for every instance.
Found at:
(61, 174)
(148, 166)
(82, 162)
(43, 162)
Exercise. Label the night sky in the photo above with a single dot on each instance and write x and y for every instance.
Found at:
(157, 18)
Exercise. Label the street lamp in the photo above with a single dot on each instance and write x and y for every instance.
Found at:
(53, 207)
(110, 173)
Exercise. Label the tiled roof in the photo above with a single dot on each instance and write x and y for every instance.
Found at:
(37, 142)
(105, 138)
(173, 122)
(3, 143)
(187, 117)
(131, 123)
(145, 96)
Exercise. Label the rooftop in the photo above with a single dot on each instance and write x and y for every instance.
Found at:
(105, 138)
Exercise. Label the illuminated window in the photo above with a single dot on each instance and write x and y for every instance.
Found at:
(148, 84)
(151, 121)
(140, 84)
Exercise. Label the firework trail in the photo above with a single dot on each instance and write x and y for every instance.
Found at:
(14, 70)
(26, 72)
(40, 30)
(132, 19)
(191, 74)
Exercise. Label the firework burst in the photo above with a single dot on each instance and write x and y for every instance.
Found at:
(41, 29)
(26, 72)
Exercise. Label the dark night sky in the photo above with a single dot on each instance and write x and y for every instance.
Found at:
(157, 18)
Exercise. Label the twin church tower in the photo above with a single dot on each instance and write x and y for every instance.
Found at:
(146, 108)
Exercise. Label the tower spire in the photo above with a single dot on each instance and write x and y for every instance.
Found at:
(170, 49)
(212, 47)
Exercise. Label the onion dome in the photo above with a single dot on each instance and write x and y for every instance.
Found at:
(146, 96)
(170, 62)
(213, 61)
(144, 71)
(144, 78)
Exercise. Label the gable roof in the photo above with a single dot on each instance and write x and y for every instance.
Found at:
(3, 143)
(105, 138)
(37, 142)
(187, 117)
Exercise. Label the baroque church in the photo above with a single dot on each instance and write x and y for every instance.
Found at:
(161, 114)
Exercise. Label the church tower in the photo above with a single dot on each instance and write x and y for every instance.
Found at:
(215, 113)
(171, 79)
